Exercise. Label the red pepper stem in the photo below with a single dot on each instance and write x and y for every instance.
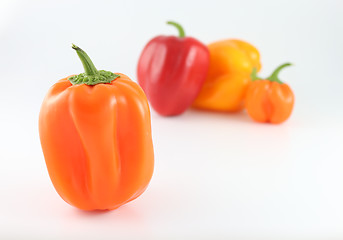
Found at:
(274, 77)
(179, 27)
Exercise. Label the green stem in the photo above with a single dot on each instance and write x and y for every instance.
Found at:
(254, 76)
(179, 27)
(91, 76)
(274, 77)
(87, 63)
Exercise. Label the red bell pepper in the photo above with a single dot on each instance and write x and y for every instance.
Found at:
(171, 71)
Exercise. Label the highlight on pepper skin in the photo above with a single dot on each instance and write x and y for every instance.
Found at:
(95, 132)
(171, 70)
(269, 100)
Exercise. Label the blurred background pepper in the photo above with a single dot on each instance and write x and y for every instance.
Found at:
(231, 62)
(172, 70)
(269, 99)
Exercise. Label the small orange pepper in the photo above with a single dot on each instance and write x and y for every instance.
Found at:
(269, 100)
(231, 62)
(95, 134)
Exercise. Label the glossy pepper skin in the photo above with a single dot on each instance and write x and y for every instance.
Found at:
(231, 62)
(96, 138)
(172, 70)
(269, 100)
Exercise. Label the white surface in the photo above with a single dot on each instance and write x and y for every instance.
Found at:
(217, 176)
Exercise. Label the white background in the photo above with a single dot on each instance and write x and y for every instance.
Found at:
(217, 176)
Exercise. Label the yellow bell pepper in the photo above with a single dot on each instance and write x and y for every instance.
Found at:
(231, 63)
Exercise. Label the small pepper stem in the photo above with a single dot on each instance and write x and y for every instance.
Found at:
(87, 63)
(91, 76)
(179, 27)
(274, 77)
(253, 75)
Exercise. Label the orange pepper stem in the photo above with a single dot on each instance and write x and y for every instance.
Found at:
(179, 27)
(87, 63)
(91, 76)
(274, 77)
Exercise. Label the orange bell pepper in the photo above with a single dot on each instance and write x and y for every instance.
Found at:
(95, 133)
(269, 100)
(231, 62)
